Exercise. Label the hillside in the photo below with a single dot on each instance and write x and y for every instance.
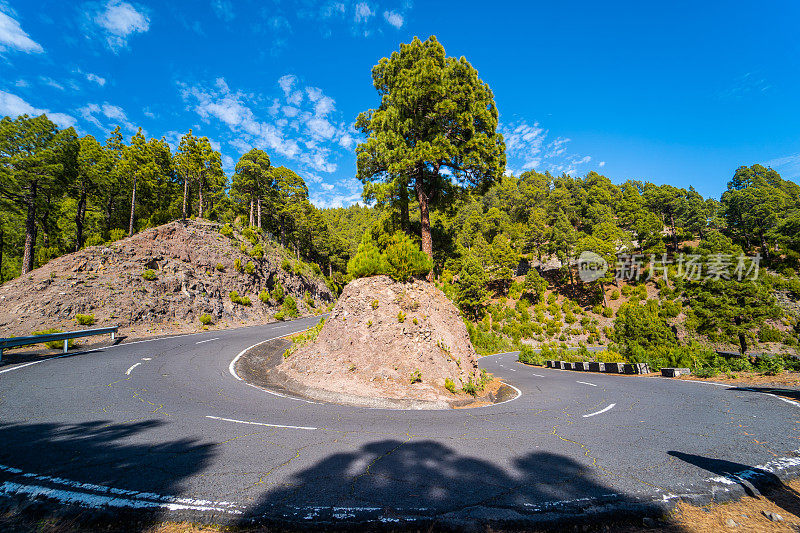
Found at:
(191, 270)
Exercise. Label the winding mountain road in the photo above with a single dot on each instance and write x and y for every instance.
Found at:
(165, 425)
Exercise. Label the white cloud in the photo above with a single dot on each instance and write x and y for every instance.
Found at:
(528, 148)
(95, 78)
(363, 13)
(788, 166)
(327, 201)
(12, 105)
(51, 82)
(12, 36)
(393, 18)
(21, 83)
(223, 9)
(119, 20)
(112, 116)
(601, 164)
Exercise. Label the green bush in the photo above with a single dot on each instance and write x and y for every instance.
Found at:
(280, 315)
(220, 267)
(84, 320)
(367, 261)
(54, 345)
(608, 356)
(206, 319)
(237, 265)
(277, 293)
(117, 234)
(290, 307)
(449, 385)
(149, 274)
(94, 240)
(401, 317)
(226, 230)
(257, 252)
(615, 294)
(241, 300)
(308, 300)
(250, 235)
(249, 268)
(469, 387)
(286, 265)
(769, 334)
(304, 338)
(529, 356)
(771, 366)
(416, 377)
(608, 312)
(404, 260)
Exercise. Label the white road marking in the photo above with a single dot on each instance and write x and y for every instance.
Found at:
(208, 340)
(259, 423)
(537, 375)
(586, 383)
(601, 411)
(147, 358)
(128, 372)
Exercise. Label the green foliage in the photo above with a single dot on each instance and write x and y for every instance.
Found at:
(117, 234)
(614, 294)
(54, 345)
(220, 267)
(374, 304)
(470, 387)
(401, 317)
(308, 300)
(237, 265)
(403, 260)
(257, 252)
(289, 307)
(450, 385)
(416, 377)
(286, 265)
(206, 319)
(241, 300)
(771, 366)
(149, 275)
(277, 293)
(642, 326)
(84, 320)
(535, 285)
(250, 235)
(769, 334)
(264, 296)
(226, 230)
(471, 287)
(250, 268)
(529, 356)
(304, 338)
(280, 315)
(367, 261)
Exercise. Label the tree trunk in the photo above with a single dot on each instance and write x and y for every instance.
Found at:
(133, 207)
(1, 253)
(252, 221)
(405, 223)
(30, 230)
(330, 265)
(283, 230)
(764, 245)
(200, 189)
(424, 218)
(259, 212)
(185, 195)
(80, 214)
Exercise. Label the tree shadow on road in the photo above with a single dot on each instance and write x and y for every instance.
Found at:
(756, 482)
(389, 481)
(792, 394)
(58, 466)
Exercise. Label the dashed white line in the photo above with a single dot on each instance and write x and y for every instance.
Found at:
(601, 411)
(537, 375)
(128, 372)
(147, 358)
(259, 423)
(208, 340)
(586, 383)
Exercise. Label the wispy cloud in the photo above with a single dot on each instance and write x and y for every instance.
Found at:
(106, 116)
(96, 79)
(393, 18)
(50, 82)
(298, 126)
(12, 105)
(788, 166)
(529, 148)
(119, 20)
(223, 9)
(748, 84)
(13, 37)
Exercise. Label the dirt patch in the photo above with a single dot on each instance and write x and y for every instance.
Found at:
(786, 379)
(401, 341)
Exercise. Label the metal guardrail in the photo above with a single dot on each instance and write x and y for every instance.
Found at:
(51, 337)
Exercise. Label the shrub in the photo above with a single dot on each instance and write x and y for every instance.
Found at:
(608, 312)
(206, 319)
(94, 240)
(308, 300)
(226, 230)
(286, 265)
(237, 265)
(529, 356)
(401, 317)
(84, 320)
(277, 293)
(241, 300)
(608, 356)
(367, 261)
(469, 387)
(416, 377)
(769, 334)
(280, 315)
(54, 345)
(250, 235)
(375, 304)
(220, 267)
(117, 234)
(249, 268)
(449, 385)
(415, 321)
(243, 248)
(149, 274)
(304, 338)
(771, 366)
(290, 307)
(615, 294)
(404, 260)
(597, 309)
(264, 296)
(257, 252)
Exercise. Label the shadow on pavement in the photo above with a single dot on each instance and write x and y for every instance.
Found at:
(792, 394)
(388, 482)
(756, 482)
(93, 462)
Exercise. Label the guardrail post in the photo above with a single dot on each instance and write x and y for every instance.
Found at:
(1, 354)
(113, 333)
(66, 345)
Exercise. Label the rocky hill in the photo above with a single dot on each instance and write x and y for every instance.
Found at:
(385, 339)
(161, 281)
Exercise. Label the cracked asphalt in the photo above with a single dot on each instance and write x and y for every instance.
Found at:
(180, 434)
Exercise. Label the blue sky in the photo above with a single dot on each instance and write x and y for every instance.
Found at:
(677, 92)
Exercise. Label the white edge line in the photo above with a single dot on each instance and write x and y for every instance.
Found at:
(259, 423)
(208, 340)
(128, 372)
(601, 411)
(586, 383)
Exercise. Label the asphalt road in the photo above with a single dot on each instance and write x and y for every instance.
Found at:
(164, 425)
